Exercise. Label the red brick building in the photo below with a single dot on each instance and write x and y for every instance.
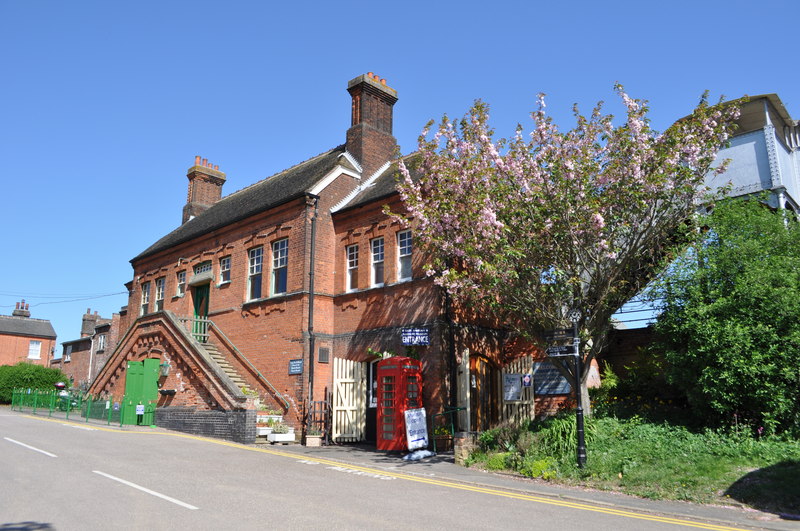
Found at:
(81, 359)
(25, 339)
(275, 295)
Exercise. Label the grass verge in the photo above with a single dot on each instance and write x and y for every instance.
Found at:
(657, 461)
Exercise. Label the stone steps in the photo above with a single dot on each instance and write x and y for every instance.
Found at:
(226, 366)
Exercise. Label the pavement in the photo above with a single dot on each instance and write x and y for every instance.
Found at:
(442, 467)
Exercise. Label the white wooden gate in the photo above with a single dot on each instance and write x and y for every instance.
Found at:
(517, 412)
(349, 400)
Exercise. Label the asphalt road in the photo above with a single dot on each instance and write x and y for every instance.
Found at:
(62, 475)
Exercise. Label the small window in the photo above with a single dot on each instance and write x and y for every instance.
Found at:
(101, 342)
(34, 349)
(181, 289)
(255, 262)
(145, 298)
(404, 255)
(280, 261)
(377, 262)
(324, 355)
(202, 267)
(352, 267)
(224, 269)
(160, 284)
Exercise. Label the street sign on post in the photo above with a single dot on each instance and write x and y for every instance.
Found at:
(561, 350)
(558, 334)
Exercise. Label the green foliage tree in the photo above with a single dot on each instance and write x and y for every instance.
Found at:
(27, 375)
(730, 326)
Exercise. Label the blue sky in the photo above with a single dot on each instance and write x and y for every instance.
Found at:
(103, 105)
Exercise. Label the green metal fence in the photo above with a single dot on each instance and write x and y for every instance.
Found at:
(67, 404)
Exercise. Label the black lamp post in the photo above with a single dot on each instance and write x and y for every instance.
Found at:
(575, 317)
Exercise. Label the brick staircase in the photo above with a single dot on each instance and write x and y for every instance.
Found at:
(226, 367)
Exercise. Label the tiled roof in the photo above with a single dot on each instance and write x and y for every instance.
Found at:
(385, 185)
(263, 195)
(25, 326)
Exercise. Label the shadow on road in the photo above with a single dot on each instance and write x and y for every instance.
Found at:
(25, 526)
(773, 489)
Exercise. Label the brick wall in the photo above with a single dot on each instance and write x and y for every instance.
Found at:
(14, 349)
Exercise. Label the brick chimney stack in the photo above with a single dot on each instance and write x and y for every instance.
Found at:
(369, 138)
(22, 309)
(89, 322)
(205, 187)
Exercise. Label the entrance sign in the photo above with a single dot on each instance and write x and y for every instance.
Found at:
(416, 429)
(296, 366)
(140, 409)
(415, 336)
(512, 387)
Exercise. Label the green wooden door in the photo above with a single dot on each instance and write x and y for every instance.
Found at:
(141, 392)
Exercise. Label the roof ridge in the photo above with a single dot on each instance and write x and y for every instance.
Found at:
(286, 170)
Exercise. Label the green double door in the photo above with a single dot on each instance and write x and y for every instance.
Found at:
(141, 392)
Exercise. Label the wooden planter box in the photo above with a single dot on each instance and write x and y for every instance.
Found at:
(444, 443)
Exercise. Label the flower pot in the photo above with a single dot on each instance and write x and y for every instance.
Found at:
(313, 440)
(262, 431)
(280, 437)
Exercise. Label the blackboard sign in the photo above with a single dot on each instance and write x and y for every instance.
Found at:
(296, 366)
(548, 381)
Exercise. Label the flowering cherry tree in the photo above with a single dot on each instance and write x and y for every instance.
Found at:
(537, 224)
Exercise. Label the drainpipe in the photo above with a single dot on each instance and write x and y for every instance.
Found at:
(451, 349)
(312, 263)
(91, 358)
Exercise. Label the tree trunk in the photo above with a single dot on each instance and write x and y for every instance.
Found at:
(587, 405)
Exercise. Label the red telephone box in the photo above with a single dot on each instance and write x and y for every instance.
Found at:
(399, 389)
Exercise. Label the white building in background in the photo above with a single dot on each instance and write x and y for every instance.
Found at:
(763, 154)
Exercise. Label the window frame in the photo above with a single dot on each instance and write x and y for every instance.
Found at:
(144, 307)
(377, 247)
(404, 257)
(180, 288)
(225, 270)
(255, 270)
(101, 342)
(351, 263)
(161, 285)
(280, 266)
(37, 351)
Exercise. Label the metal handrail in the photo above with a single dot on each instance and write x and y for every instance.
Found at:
(447, 411)
(239, 353)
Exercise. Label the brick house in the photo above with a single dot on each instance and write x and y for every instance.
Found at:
(25, 339)
(81, 359)
(275, 295)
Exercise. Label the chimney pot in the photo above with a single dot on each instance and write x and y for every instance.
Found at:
(216, 166)
(197, 160)
(370, 74)
(383, 81)
(205, 162)
(17, 306)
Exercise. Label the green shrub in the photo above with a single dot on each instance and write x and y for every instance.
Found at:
(27, 375)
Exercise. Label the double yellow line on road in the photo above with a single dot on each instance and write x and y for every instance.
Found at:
(429, 481)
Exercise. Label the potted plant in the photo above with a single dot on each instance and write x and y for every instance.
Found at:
(281, 433)
(313, 437)
(443, 439)
(263, 427)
